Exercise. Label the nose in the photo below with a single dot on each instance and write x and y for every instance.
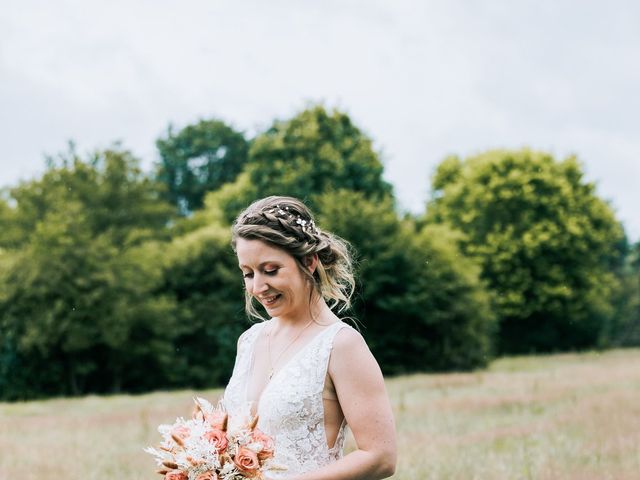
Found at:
(259, 284)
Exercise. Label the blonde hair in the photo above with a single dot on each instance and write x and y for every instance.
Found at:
(286, 223)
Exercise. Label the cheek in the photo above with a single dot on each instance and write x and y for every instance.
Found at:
(297, 288)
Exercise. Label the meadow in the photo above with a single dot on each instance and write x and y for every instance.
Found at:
(570, 416)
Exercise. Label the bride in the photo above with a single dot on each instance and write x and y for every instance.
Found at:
(304, 372)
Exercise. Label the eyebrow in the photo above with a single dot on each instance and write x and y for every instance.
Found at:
(262, 264)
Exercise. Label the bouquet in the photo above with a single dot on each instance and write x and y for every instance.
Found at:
(211, 446)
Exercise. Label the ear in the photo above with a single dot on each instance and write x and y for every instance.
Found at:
(311, 262)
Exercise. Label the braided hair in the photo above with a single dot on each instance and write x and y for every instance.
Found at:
(286, 223)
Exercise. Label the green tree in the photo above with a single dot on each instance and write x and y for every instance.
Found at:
(78, 311)
(625, 328)
(314, 152)
(120, 201)
(199, 158)
(547, 245)
(421, 303)
(10, 236)
(201, 273)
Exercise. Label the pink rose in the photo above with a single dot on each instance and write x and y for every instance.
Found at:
(176, 475)
(207, 476)
(217, 420)
(181, 431)
(247, 462)
(218, 438)
(267, 444)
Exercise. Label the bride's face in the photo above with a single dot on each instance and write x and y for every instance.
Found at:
(272, 276)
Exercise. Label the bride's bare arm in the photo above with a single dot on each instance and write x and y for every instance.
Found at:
(363, 397)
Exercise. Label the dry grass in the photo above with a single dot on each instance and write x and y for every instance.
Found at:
(557, 417)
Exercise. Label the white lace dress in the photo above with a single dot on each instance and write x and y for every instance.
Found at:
(290, 408)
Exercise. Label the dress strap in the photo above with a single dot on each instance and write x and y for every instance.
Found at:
(251, 333)
(327, 346)
(245, 347)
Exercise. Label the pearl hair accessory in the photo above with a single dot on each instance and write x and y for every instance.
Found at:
(307, 226)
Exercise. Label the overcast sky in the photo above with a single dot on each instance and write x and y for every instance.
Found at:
(424, 79)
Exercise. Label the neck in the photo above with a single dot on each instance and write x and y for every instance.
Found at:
(318, 311)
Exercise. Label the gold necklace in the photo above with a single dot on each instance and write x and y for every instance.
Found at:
(271, 371)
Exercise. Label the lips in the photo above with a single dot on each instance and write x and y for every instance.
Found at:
(269, 300)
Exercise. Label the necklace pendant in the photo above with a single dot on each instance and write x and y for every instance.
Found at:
(270, 374)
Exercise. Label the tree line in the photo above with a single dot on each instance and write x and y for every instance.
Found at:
(115, 279)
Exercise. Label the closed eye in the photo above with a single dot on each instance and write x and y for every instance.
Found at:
(271, 273)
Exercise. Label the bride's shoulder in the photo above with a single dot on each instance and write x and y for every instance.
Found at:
(350, 354)
(347, 338)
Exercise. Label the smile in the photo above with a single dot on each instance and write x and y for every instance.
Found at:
(270, 300)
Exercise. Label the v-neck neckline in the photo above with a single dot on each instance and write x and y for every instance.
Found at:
(276, 374)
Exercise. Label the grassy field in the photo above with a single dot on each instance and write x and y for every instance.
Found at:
(553, 417)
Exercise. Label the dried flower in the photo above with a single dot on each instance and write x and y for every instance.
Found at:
(213, 446)
(247, 462)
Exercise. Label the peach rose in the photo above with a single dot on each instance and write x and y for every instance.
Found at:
(217, 420)
(247, 462)
(218, 438)
(207, 476)
(176, 475)
(267, 444)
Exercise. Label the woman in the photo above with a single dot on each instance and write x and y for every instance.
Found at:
(304, 372)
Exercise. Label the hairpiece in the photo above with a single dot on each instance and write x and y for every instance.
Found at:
(307, 226)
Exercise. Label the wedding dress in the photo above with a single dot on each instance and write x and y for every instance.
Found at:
(290, 407)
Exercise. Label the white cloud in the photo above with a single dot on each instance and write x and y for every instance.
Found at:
(424, 79)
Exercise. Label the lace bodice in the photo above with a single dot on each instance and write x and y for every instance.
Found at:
(290, 408)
